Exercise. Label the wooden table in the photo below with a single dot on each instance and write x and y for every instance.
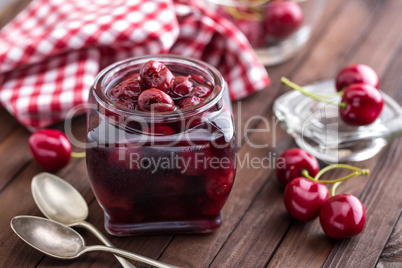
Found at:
(257, 231)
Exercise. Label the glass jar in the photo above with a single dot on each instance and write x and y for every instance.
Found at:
(148, 180)
(276, 29)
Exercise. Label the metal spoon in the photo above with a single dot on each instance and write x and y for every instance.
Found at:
(60, 201)
(60, 241)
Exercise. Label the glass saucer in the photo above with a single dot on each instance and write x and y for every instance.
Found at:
(318, 129)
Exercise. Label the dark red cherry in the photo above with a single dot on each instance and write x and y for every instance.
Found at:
(130, 87)
(189, 102)
(170, 185)
(125, 102)
(197, 79)
(156, 75)
(50, 148)
(356, 74)
(155, 100)
(219, 184)
(201, 91)
(363, 104)
(303, 198)
(282, 18)
(182, 87)
(342, 216)
(291, 164)
(197, 159)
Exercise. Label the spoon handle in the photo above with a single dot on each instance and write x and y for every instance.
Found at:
(125, 263)
(129, 255)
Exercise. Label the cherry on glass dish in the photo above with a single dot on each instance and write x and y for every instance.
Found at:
(318, 128)
(276, 29)
(160, 145)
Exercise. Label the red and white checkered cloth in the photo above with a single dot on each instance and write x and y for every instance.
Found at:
(51, 52)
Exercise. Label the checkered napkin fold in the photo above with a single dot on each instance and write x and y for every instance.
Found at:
(52, 51)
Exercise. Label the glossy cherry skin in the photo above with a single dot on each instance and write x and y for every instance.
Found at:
(155, 100)
(129, 88)
(50, 148)
(356, 74)
(342, 216)
(364, 104)
(303, 198)
(156, 75)
(201, 91)
(182, 87)
(291, 164)
(282, 18)
(189, 102)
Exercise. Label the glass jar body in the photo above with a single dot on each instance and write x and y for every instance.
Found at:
(150, 181)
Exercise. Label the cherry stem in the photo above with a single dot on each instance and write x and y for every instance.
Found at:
(306, 175)
(78, 155)
(317, 97)
(357, 172)
(330, 96)
(333, 189)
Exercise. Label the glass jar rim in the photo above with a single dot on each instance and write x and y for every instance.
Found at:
(219, 85)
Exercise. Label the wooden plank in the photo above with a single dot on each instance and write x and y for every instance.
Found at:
(296, 250)
(391, 257)
(14, 154)
(11, 9)
(7, 123)
(148, 241)
(227, 258)
(381, 197)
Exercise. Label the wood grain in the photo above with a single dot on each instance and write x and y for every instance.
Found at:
(257, 231)
(392, 254)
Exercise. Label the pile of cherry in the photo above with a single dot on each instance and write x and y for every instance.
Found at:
(361, 101)
(156, 89)
(306, 198)
(272, 20)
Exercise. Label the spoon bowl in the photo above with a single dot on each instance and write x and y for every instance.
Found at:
(63, 242)
(58, 200)
(49, 237)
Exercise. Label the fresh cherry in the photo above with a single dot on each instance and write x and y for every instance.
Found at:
(130, 87)
(303, 198)
(363, 104)
(356, 74)
(342, 216)
(50, 148)
(155, 100)
(292, 163)
(201, 91)
(189, 102)
(182, 87)
(156, 75)
(282, 18)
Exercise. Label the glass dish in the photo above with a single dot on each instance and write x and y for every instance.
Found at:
(317, 128)
(155, 182)
(271, 46)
